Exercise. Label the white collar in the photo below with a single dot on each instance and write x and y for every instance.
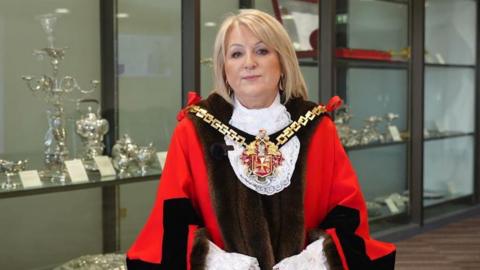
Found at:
(273, 118)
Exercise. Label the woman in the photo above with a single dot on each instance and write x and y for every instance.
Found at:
(256, 177)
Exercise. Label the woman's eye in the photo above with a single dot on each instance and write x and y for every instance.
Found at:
(236, 54)
(262, 51)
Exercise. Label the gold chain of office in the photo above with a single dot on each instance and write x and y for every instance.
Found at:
(281, 139)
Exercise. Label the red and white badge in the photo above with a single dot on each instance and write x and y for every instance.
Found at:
(261, 157)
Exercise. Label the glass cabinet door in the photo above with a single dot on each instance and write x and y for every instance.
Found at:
(449, 85)
(149, 91)
(372, 78)
(149, 67)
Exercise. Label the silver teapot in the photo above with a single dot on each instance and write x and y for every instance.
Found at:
(124, 154)
(91, 128)
(145, 156)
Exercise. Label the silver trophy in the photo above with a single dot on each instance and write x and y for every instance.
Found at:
(353, 138)
(145, 156)
(370, 133)
(342, 122)
(91, 127)
(124, 154)
(11, 168)
(53, 88)
(95, 262)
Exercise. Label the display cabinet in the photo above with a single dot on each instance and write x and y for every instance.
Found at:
(58, 216)
(372, 77)
(449, 105)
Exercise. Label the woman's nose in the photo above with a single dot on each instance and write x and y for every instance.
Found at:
(250, 61)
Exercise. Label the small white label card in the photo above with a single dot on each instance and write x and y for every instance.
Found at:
(391, 206)
(76, 170)
(162, 156)
(395, 133)
(30, 178)
(104, 165)
(440, 58)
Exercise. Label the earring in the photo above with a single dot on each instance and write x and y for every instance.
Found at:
(281, 82)
(229, 88)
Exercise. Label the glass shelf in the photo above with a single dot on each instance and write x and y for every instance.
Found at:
(445, 199)
(449, 65)
(447, 135)
(384, 213)
(372, 145)
(95, 180)
(405, 2)
(365, 63)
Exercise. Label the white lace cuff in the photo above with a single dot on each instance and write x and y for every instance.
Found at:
(218, 259)
(311, 258)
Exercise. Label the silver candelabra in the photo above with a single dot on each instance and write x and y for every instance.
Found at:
(53, 88)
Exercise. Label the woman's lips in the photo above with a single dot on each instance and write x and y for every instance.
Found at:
(251, 77)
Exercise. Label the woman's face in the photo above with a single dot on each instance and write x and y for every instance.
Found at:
(252, 69)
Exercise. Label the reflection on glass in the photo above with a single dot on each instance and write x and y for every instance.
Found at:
(212, 14)
(449, 101)
(300, 19)
(149, 67)
(149, 38)
(23, 126)
(448, 169)
(310, 74)
(450, 31)
(374, 25)
(450, 38)
(385, 91)
(382, 173)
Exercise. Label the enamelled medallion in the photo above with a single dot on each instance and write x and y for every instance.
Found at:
(261, 157)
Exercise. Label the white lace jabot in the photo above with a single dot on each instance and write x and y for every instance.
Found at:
(272, 119)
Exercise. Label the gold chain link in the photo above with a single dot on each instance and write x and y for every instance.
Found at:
(216, 124)
(286, 134)
(296, 125)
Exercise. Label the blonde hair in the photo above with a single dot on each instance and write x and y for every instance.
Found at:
(271, 32)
